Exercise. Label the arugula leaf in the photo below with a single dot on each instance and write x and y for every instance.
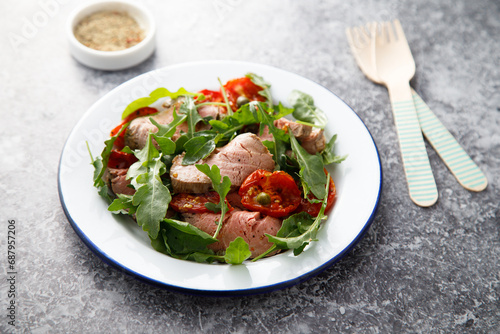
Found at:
(291, 227)
(213, 207)
(101, 163)
(145, 157)
(259, 81)
(305, 110)
(206, 256)
(122, 204)
(184, 241)
(268, 119)
(295, 225)
(152, 98)
(167, 146)
(179, 144)
(222, 188)
(165, 132)
(237, 251)
(220, 126)
(197, 148)
(227, 128)
(184, 238)
(159, 243)
(281, 111)
(168, 130)
(280, 137)
(255, 112)
(328, 154)
(193, 117)
(247, 114)
(299, 242)
(312, 171)
(152, 197)
(102, 187)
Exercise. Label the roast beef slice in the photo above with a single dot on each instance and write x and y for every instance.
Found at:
(238, 159)
(251, 226)
(116, 179)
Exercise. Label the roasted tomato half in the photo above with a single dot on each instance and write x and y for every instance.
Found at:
(212, 96)
(242, 88)
(313, 208)
(120, 141)
(272, 193)
(119, 159)
(193, 203)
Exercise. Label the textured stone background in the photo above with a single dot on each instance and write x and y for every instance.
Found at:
(417, 270)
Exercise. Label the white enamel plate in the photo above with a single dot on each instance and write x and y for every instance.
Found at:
(120, 242)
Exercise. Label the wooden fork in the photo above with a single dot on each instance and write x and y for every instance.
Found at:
(394, 68)
(362, 43)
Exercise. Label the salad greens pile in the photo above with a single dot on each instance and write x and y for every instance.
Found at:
(149, 175)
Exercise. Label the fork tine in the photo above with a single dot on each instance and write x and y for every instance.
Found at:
(364, 33)
(399, 30)
(354, 39)
(380, 34)
(390, 32)
(359, 41)
(373, 28)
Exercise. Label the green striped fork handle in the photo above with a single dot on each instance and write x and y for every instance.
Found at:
(453, 155)
(421, 184)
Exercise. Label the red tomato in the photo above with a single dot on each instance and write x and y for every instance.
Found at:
(193, 203)
(212, 96)
(242, 87)
(120, 142)
(119, 159)
(274, 194)
(313, 208)
(139, 113)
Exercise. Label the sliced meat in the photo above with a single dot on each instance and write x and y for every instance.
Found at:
(117, 180)
(209, 111)
(188, 179)
(251, 226)
(207, 222)
(300, 131)
(311, 139)
(315, 142)
(234, 200)
(266, 135)
(238, 159)
(137, 132)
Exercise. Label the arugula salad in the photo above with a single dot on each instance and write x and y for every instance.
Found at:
(223, 175)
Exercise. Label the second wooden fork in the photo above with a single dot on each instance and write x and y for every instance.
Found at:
(394, 66)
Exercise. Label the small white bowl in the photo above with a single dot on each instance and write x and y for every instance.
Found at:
(113, 60)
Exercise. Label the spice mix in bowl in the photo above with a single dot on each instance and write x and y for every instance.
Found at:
(111, 35)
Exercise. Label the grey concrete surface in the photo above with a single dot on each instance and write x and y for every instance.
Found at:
(432, 270)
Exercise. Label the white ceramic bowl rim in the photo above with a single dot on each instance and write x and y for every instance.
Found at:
(71, 24)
